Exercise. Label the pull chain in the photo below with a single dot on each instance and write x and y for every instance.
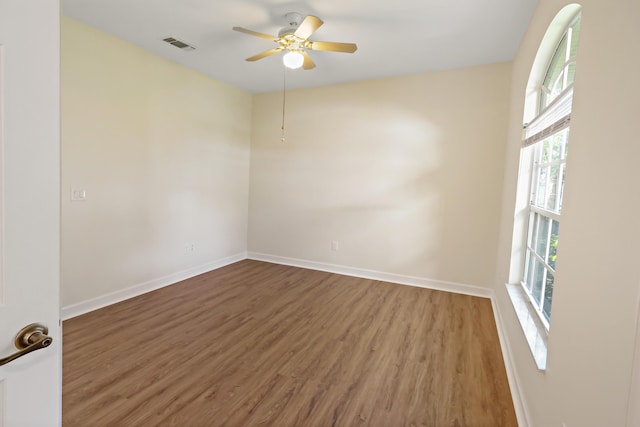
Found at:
(284, 100)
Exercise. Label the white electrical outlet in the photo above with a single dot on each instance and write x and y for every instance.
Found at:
(335, 245)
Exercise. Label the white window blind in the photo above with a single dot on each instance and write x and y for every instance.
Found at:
(552, 119)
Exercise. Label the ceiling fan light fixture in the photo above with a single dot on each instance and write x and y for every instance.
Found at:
(294, 42)
(293, 59)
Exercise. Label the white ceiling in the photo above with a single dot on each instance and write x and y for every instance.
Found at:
(394, 38)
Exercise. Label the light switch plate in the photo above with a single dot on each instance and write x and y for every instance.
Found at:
(78, 194)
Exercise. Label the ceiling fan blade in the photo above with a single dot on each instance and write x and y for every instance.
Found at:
(255, 33)
(264, 54)
(308, 63)
(334, 47)
(308, 26)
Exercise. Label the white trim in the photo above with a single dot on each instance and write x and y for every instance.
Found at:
(633, 402)
(2, 404)
(83, 307)
(535, 306)
(545, 212)
(2, 189)
(420, 282)
(522, 414)
(534, 331)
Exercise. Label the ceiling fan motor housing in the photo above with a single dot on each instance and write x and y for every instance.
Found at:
(294, 19)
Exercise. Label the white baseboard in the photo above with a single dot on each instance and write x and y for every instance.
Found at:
(512, 375)
(83, 307)
(440, 285)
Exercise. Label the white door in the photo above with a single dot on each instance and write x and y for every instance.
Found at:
(30, 386)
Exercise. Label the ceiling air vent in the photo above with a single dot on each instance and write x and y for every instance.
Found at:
(178, 43)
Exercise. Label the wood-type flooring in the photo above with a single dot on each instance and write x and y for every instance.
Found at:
(260, 344)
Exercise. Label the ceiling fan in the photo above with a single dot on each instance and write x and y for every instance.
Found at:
(294, 39)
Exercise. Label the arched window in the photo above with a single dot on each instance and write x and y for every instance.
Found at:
(545, 148)
(562, 69)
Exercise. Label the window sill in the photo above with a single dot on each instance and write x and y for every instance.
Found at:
(534, 330)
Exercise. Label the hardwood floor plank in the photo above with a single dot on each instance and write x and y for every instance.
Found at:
(255, 344)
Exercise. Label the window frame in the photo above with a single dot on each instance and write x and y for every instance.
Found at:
(533, 329)
(536, 212)
(547, 107)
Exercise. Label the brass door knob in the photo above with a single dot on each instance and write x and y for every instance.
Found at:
(30, 338)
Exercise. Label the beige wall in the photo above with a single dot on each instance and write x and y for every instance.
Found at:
(405, 173)
(596, 289)
(163, 153)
